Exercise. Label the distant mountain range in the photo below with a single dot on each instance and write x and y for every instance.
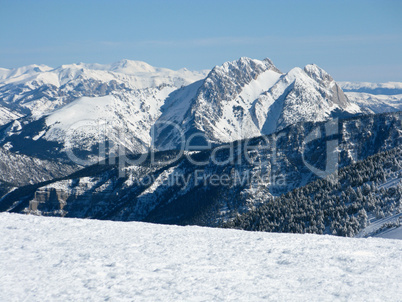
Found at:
(377, 98)
(390, 88)
(48, 111)
(55, 121)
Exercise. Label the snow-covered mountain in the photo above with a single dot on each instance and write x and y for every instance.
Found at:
(376, 103)
(129, 104)
(90, 109)
(183, 192)
(247, 98)
(80, 105)
(37, 90)
(375, 97)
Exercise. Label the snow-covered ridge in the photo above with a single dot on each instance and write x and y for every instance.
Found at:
(376, 103)
(308, 94)
(71, 259)
(38, 90)
(124, 118)
(22, 73)
(357, 85)
(126, 95)
(389, 88)
(139, 72)
(375, 97)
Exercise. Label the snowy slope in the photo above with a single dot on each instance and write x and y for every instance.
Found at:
(375, 97)
(7, 115)
(301, 95)
(69, 260)
(395, 233)
(125, 119)
(376, 103)
(20, 170)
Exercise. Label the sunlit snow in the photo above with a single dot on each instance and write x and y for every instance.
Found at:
(55, 259)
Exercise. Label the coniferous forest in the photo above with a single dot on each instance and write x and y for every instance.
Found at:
(369, 189)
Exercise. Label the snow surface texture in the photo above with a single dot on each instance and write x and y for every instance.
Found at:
(395, 233)
(54, 259)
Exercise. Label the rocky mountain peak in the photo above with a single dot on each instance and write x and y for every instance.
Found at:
(317, 73)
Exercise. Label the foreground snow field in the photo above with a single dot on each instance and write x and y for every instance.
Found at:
(56, 259)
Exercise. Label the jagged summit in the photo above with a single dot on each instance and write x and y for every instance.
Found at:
(246, 66)
(317, 73)
(247, 97)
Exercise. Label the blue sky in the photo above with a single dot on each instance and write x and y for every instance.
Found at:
(352, 40)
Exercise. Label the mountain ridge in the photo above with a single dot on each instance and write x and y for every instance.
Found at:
(136, 107)
(170, 188)
(239, 99)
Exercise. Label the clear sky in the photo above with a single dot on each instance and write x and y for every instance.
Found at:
(352, 40)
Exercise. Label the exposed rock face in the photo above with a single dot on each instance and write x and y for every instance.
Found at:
(247, 98)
